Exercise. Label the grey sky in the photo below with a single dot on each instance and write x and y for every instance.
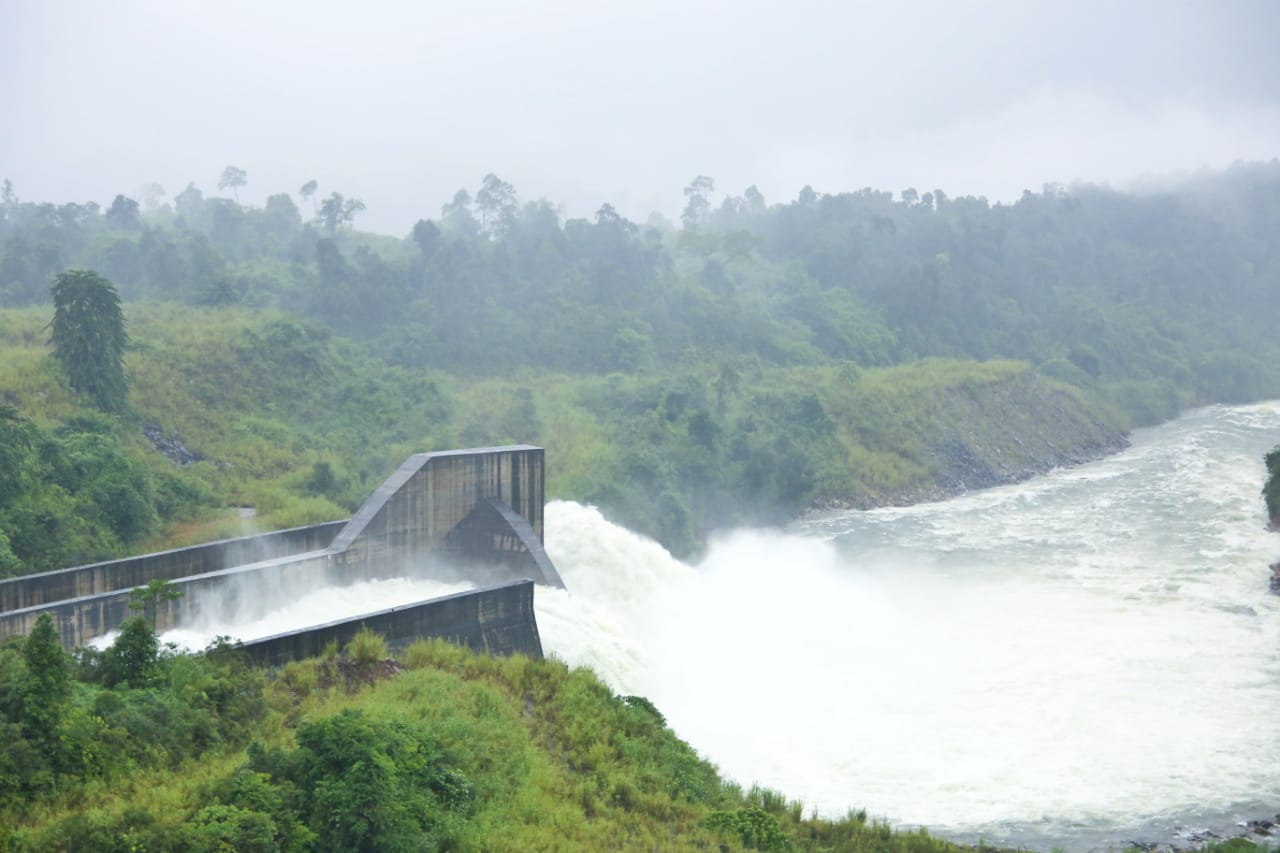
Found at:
(584, 101)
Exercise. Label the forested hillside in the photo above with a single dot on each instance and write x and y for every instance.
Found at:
(750, 362)
(1171, 289)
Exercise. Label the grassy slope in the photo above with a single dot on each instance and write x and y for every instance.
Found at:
(557, 763)
(264, 400)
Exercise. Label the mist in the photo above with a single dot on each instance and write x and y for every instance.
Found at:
(581, 103)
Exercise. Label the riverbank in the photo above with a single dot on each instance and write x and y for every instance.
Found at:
(1219, 834)
(1000, 434)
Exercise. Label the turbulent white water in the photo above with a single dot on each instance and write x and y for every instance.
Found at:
(324, 605)
(1082, 659)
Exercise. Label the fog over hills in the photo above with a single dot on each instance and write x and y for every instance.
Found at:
(400, 104)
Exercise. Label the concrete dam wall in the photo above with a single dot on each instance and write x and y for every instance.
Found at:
(477, 513)
(130, 572)
(495, 620)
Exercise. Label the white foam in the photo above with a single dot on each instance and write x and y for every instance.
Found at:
(1094, 648)
(323, 605)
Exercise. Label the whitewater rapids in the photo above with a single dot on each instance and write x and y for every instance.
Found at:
(1085, 658)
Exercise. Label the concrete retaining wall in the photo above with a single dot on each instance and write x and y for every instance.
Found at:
(81, 581)
(238, 594)
(498, 620)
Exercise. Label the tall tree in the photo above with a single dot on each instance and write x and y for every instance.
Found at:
(88, 337)
(123, 214)
(350, 208)
(233, 177)
(15, 441)
(152, 195)
(336, 211)
(699, 194)
(496, 201)
(47, 685)
(8, 199)
(427, 236)
(456, 216)
(308, 193)
(279, 216)
(189, 205)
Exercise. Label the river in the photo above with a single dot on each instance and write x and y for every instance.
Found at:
(1077, 661)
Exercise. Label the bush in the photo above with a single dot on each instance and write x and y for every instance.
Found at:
(419, 655)
(756, 828)
(367, 647)
(132, 657)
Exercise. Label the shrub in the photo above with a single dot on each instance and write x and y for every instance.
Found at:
(757, 829)
(367, 647)
(419, 655)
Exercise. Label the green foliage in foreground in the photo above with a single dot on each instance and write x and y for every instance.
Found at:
(455, 752)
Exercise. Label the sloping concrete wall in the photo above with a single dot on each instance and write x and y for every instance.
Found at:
(494, 535)
(431, 493)
(498, 620)
(243, 593)
(131, 572)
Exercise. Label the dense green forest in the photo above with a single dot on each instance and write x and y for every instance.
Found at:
(752, 361)
(1170, 286)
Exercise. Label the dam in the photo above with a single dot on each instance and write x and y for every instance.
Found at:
(476, 514)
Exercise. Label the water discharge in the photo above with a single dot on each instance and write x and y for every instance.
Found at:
(329, 604)
(1075, 661)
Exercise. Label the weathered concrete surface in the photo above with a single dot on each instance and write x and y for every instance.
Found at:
(241, 593)
(498, 620)
(131, 572)
(482, 508)
(493, 534)
(431, 493)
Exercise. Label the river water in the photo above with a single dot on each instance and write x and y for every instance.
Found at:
(1080, 660)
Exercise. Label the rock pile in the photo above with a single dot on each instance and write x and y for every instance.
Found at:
(172, 448)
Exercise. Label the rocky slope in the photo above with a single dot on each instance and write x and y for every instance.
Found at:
(992, 434)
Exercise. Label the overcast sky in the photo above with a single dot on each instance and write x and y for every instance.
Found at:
(589, 101)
